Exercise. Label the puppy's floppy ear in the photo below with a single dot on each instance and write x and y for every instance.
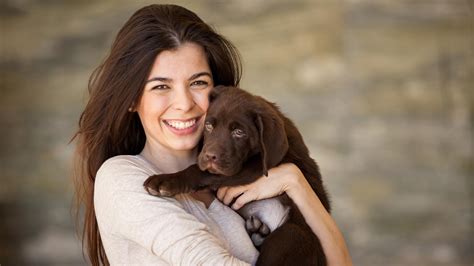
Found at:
(273, 140)
(216, 91)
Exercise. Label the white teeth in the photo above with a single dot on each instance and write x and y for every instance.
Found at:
(181, 125)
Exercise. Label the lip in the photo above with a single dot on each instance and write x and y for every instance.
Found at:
(213, 169)
(183, 132)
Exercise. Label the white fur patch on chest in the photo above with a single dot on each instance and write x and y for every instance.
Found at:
(270, 211)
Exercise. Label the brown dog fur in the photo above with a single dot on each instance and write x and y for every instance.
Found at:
(245, 136)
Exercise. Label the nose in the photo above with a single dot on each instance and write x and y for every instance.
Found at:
(211, 157)
(183, 100)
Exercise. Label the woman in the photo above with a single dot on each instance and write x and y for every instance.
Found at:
(145, 115)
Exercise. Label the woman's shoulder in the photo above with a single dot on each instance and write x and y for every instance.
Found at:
(120, 200)
(124, 171)
(135, 164)
(119, 185)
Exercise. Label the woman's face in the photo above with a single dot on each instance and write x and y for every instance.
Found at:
(174, 102)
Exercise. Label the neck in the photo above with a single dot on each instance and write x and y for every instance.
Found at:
(167, 160)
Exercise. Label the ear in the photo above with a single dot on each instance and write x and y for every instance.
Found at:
(216, 91)
(273, 140)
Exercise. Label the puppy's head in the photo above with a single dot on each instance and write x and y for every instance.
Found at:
(238, 126)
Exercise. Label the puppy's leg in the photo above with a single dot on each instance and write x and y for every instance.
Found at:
(187, 180)
(257, 230)
(291, 245)
(192, 179)
(263, 217)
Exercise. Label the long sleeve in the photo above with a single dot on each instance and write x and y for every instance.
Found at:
(130, 219)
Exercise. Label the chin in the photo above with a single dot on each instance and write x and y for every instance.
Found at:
(224, 172)
(185, 145)
(230, 172)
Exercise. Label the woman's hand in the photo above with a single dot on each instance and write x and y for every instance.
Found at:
(288, 178)
(280, 179)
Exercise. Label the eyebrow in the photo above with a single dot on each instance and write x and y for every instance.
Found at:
(194, 76)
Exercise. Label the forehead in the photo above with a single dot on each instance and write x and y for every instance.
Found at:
(187, 58)
(231, 108)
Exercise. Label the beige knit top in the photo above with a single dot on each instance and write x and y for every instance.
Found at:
(137, 228)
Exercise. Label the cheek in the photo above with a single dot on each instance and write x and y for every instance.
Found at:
(240, 149)
(151, 107)
(239, 155)
(202, 100)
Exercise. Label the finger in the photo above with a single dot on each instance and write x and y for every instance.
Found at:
(233, 193)
(245, 198)
(221, 192)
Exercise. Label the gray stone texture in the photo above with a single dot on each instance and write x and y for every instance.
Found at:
(382, 92)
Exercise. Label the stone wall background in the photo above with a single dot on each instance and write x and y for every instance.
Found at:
(382, 92)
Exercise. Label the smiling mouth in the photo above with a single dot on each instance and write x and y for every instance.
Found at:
(182, 127)
(180, 124)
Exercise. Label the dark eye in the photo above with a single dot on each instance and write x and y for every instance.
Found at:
(208, 126)
(161, 87)
(238, 133)
(199, 83)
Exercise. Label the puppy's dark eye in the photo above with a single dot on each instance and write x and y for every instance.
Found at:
(208, 126)
(238, 133)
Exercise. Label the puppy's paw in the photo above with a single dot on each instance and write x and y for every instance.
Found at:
(257, 230)
(257, 239)
(162, 185)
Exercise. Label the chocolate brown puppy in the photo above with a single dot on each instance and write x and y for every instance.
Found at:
(245, 135)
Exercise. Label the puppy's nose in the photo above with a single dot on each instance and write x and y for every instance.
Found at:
(211, 157)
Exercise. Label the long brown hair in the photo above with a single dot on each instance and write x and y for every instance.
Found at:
(106, 127)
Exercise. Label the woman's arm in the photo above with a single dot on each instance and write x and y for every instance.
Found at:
(289, 179)
(127, 213)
